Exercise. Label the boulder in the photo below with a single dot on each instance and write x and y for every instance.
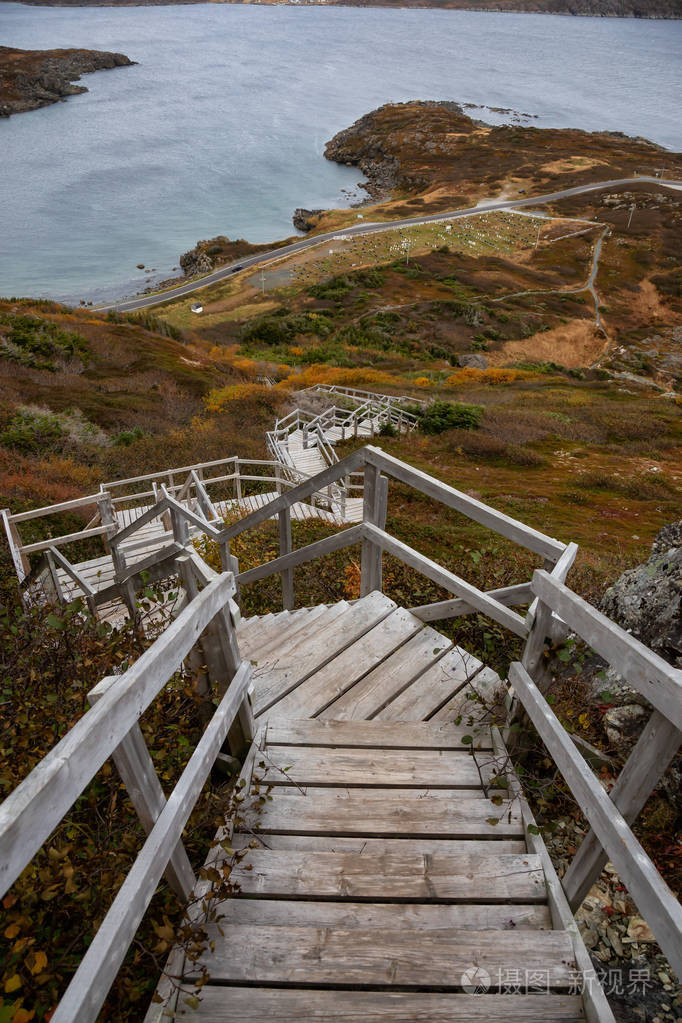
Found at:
(624, 723)
(473, 360)
(305, 220)
(647, 600)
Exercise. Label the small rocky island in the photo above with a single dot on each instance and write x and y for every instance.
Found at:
(30, 79)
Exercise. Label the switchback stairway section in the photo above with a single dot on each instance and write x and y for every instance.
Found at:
(397, 865)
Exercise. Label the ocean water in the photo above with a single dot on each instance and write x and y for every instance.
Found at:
(221, 126)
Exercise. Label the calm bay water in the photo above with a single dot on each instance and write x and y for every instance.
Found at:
(220, 128)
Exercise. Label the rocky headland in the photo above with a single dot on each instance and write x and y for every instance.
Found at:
(30, 79)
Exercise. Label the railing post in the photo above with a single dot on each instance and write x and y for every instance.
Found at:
(57, 593)
(22, 565)
(105, 504)
(237, 480)
(136, 769)
(285, 548)
(375, 498)
(305, 436)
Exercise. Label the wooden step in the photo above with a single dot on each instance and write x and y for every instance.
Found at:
(296, 629)
(331, 681)
(389, 818)
(418, 916)
(408, 877)
(435, 687)
(418, 769)
(280, 1005)
(372, 735)
(382, 685)
(323, 646)
(401, 958)
(374, 847)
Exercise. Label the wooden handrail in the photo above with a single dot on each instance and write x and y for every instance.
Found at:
(654, 899)
(89, 987)
(72, 572)
(510, 596)
(653, 677)
(500, 523)
(448, 580)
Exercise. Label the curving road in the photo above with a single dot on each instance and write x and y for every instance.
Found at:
(370, 228)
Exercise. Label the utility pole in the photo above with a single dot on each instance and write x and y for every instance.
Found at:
(262, 280)
(537, 240)
(632, 210)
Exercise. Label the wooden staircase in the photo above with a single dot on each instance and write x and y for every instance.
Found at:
(386, 864)
(387, 875)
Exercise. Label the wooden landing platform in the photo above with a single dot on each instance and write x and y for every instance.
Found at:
(377, 888)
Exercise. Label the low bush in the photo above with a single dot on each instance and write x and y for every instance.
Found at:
(445, 415)
(38, 343)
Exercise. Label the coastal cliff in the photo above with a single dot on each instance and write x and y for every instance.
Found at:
(30, 79)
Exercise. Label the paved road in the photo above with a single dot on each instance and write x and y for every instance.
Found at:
(370, 228)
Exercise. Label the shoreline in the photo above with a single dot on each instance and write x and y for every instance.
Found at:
(423, 5)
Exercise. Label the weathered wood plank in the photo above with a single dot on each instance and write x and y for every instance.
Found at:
(390, 818)
(391, 958)
(374, 735)
(352, 767)
(326, 685)
(418, 916)
(382, 685)
(274, 678)
(472, 703)
(514, 530)
(510, 596)
(377, 846)
(655, 901)
(348, 792)
(657, 680)
(249, 1005)
(495, 877)
(432, 688)
(329, 544)
(448, 580)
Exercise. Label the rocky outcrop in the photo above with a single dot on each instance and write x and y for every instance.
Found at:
(647, 601)
(367, 145)
(30, 79)
(305, 220)
(472, 360)
(195, 262)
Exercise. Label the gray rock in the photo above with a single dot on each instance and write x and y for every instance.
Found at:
(625, 722)
(304, 220)
(647, 600)
(473, 360)
(614, 689)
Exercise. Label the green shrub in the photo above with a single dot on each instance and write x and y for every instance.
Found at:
(127, 437)
(32, 432)
(37, 343)
(445, 415)
(388, 430)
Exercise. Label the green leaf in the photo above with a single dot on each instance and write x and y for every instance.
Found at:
(533, 830)
(467, 739)
(492, 821)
